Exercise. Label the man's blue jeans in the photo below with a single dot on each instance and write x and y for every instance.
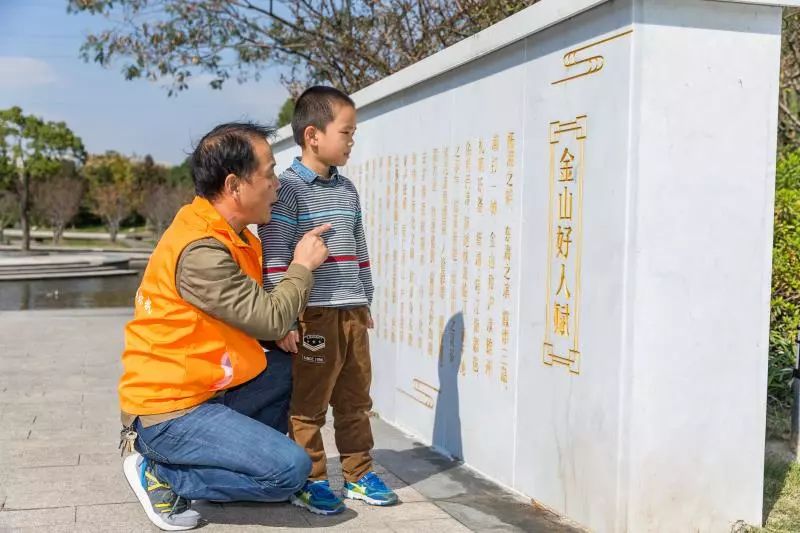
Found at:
(234, 447)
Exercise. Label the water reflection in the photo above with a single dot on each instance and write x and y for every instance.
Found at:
(112, 291)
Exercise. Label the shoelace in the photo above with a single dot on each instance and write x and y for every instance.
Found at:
(180, 505)
(320, 489)
(176, 504)
(372, 481)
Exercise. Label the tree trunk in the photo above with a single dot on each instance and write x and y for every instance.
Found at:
(24, 201)
(58, 232)
(113, 228)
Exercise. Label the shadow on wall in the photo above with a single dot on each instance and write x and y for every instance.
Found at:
(447, 421)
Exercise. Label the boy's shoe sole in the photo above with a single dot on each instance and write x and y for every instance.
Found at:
(294, 500)
(353, 495)
(131, 471)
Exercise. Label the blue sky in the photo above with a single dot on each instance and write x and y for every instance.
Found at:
(41, 71)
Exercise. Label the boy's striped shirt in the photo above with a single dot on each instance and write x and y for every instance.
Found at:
(305, 201)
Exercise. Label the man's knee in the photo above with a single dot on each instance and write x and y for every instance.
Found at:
(296, 473)
(302, 467)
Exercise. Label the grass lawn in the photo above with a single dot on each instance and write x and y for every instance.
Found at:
(781, 496)
(104, 229)
(92, 243)
(89, 243)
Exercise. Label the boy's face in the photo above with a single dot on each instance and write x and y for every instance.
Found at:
(334, 144)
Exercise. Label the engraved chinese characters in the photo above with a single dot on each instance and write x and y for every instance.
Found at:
(440, 227)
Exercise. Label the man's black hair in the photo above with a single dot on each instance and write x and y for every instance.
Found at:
(227, 149)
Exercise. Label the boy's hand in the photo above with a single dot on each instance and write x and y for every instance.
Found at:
(370, 323)
(289, 342)
(311, 251)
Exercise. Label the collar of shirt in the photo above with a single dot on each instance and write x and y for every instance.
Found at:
(209, 213)
(308, 175)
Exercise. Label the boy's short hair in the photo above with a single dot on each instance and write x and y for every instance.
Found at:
(316, 107)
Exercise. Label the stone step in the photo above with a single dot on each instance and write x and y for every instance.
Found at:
(45, 267)
(53, 269)
(87, 273)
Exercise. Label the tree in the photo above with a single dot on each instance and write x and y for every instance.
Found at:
(286, 113)
(349, 44)
(112, 191)
(9, 211)
(181, 175)
(164, 191)
(161, 203)
(146, 171)
(789, 98)
(57, 199)
(9, 201)
(36, 149)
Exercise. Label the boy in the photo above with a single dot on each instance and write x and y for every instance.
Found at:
(331, 342)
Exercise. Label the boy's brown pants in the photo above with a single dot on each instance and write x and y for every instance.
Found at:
(333, 367)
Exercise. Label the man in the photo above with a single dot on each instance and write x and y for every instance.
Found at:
(200, 402)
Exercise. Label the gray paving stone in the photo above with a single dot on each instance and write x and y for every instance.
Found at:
(443, 525)
(15, 433)
(112, 516)
(474, 517)
(226, 528)
(482, 512)
(49, 529)
(367, 514)
(109, 435)
(111, 459)
(360, 528)
(17, 418)
(273, 515)
(37, 517)
(62, 486)
(18, 456)
(58, 455)
(409, 494)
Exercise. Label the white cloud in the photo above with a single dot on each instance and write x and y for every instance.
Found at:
(25, 72)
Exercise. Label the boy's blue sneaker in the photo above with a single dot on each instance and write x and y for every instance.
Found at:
(317, 497)
(371, 489)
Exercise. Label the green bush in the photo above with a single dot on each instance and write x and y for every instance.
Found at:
(785, 306)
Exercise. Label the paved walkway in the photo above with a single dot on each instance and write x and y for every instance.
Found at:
(60, 470)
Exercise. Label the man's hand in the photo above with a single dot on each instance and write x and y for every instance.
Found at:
(311, 251)
(370, 323)
(289, 342)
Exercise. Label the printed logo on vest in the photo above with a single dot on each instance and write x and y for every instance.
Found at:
(313, 342)
(227, 370)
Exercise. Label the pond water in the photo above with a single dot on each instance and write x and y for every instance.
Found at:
(110, 291)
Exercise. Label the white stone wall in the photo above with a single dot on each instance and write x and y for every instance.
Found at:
(570, 218)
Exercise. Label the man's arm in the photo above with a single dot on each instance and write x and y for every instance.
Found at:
(208, 278)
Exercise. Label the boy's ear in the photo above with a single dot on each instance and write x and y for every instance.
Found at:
(309, 135)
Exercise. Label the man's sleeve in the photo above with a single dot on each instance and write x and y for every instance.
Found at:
(208, 278)
(279, 238)
(364, 269)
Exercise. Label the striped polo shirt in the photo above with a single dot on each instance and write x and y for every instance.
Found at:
(305, 201)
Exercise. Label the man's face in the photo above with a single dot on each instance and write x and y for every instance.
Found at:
(260, 192)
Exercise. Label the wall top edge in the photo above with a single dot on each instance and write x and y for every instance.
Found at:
(775, 3)
(530, 20)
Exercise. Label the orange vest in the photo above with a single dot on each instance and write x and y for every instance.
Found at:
(176, 356)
